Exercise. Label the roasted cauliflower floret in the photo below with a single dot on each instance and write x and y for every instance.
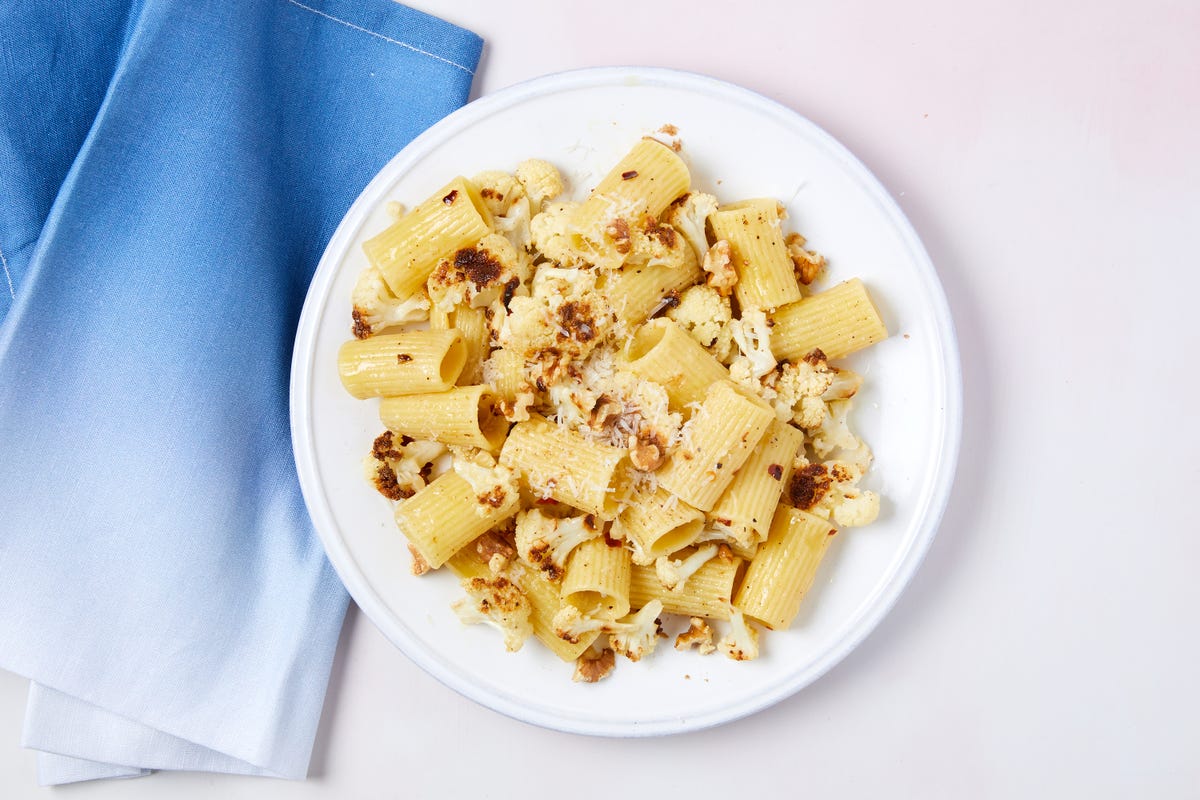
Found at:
(718, 264)
(562, 321)
(493, 485)
(651, 243)
(544, 542)
(551, 232)
(706, 316)
(636, 635)
(499, 190)
(399, 467)
(688, 215)
(798, 388)
(633, 636)
(541, 180)
(376, 308)
(741, 643)
(834, 432)
(478, 276)
(831, 491)
(497, 602)
(673, 574)
(752, 334)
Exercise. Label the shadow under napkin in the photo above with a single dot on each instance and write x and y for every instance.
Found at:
(156, 560)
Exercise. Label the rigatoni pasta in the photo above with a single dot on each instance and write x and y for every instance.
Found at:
(465, 415)
(402, 363)
(784, 568)
(406, 253)
(591, 432)
(838, 322)
(765, 273)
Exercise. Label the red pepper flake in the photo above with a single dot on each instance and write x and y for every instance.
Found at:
(403, 358)
(775, 471)
(630, 175)
(832, 532)
(450, 198)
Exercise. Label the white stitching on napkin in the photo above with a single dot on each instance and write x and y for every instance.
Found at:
(7, 275)
(381, 36)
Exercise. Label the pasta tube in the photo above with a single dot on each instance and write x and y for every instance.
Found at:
(562, 465)
(717, 440)
(407, 252)
(465, 415)
(754, 230)
(645, 181)
(442, 517)
(705, 594)
(747, 506)
(839, 321)
(597, 579)
(401, 363)
(638, 292)
(662, 352)
(785, 567)
(505, 370)
(657, 523)
(543, 597)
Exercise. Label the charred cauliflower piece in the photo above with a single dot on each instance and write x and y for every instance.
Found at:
(541, 180)
(551, 235)
(399, 467)
(706, 316)
(741, 643)
(478, 276)
(688, 215)
(752, 334)
(376, 308)
(497, 602)
(633, 636)
(718, 264)
(831, 490)
(593, 666)
(673, 575)
(545, 542)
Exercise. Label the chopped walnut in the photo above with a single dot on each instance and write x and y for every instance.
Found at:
(592, 667)
(492, 544)
(605, 412)
(419, 565)
(808, 265)
(718, 263)
(646, 457)
(698, 635)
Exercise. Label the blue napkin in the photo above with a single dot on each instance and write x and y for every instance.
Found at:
(170, 171)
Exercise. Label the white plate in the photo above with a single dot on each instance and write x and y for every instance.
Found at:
(738, 145)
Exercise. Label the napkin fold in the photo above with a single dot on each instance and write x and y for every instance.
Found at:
(171, 172)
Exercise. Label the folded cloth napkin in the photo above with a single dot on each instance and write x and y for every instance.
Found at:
(170, 172)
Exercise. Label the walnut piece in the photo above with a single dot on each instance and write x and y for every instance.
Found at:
(592, 667)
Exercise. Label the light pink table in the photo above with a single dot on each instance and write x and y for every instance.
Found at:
(1049, 156)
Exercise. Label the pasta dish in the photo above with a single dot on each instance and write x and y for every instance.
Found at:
(614, 417)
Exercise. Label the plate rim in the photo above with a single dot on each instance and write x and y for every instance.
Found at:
(303, 435)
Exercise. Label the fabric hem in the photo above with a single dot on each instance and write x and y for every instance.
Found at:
(419, 18)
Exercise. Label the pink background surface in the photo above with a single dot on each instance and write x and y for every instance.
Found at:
(1047, 154)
